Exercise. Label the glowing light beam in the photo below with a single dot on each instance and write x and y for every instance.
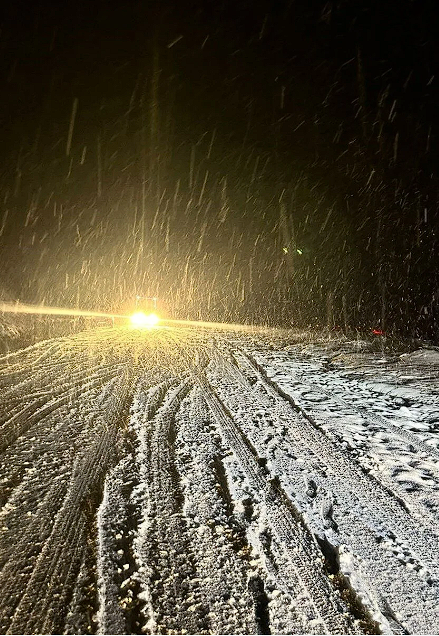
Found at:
(228, 326)
(43, 310)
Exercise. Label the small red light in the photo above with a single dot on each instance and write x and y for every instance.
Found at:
(378, 332)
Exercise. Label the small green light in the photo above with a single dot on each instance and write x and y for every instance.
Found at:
(299, 251)
(285, 249)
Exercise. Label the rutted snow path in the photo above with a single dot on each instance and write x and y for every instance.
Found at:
(179, 481)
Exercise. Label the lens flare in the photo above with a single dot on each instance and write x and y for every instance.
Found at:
(142, 320)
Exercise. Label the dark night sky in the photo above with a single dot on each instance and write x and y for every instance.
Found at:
(262, 161)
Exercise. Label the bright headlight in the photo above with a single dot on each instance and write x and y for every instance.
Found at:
(139, 320)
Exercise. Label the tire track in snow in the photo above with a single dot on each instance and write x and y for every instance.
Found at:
(57, 564)
(217, 507)
(229, 581)
(360, 500)
(373, 494)
(163, 547)
(322, 611)
(125, 502)
(24, 418)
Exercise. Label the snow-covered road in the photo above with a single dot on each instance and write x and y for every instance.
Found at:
(192, 481)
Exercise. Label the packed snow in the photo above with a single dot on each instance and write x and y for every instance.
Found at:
(177, 480)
